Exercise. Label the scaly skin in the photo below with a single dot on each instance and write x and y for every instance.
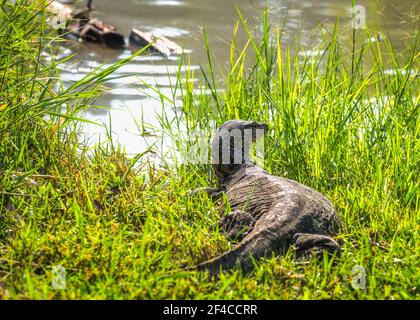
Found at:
(269, 213)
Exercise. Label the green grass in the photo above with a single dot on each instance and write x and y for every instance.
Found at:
(341, 122)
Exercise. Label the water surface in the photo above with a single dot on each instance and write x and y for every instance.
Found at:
(132, 101)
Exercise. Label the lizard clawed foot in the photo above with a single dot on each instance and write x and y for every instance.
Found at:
(211, 192)
(307, 244)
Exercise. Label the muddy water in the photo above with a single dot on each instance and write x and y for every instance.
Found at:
(132, 106)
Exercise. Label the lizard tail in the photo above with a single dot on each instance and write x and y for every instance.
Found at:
(241, 256)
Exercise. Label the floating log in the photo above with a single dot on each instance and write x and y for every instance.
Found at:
(79, 25)
(97, 31)
(159, 44)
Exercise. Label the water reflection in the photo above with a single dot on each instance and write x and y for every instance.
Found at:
(131, 99)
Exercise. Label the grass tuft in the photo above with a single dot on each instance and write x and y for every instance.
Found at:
(345, 122)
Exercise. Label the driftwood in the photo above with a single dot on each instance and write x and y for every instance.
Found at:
(96, 31)
(157, 43)
(80, 26)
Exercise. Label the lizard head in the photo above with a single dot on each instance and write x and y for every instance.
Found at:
(231, 146)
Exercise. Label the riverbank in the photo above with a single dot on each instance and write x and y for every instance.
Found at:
(77, 223)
